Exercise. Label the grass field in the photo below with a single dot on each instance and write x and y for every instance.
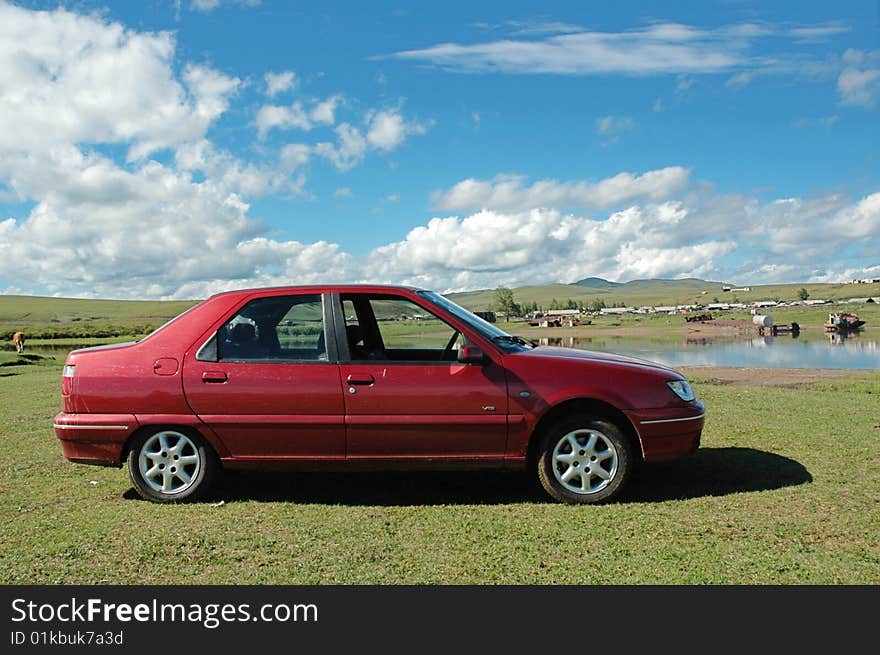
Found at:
(77, 318)
(642, 293)
(785, 490)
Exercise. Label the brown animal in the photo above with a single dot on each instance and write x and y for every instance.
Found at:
(18, 340)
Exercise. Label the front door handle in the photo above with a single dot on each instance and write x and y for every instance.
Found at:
(214, 376)
(360, 379)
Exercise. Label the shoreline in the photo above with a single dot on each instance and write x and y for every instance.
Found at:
(767, 377)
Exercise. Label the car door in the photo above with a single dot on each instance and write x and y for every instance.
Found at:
(406, 395)
(267, 381)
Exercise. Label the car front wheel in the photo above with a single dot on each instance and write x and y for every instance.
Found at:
(169, 466)
(584, 460)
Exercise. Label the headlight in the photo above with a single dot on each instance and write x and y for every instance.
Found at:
(682, 389)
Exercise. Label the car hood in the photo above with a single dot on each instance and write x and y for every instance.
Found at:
(553, 353)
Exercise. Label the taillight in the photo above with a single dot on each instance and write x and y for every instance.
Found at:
(67, 379)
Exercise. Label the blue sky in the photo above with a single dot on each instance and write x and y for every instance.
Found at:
(173, 149)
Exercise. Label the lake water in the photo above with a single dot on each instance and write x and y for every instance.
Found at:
(819, 351)
(806, 351)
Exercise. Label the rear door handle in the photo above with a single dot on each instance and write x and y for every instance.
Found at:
(214, 376)
(360, 379)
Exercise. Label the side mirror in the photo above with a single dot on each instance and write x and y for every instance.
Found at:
(471, 355)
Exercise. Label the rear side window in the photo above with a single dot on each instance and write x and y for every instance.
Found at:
(276, 329)
(394, 329)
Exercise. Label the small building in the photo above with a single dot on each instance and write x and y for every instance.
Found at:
(564, 312)
(718, 306)
(554, 321)
(765, 303)
(744, 289)
(615, 311)
(816, 302)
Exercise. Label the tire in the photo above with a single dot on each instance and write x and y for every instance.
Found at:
(603, 451)
(170, 465)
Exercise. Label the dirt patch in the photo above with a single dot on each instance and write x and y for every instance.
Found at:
(764, 377)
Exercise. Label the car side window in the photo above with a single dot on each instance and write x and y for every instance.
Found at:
(391, 328)
(275, 329)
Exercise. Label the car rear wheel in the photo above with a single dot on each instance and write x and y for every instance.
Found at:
(583, 460)
(169, 466)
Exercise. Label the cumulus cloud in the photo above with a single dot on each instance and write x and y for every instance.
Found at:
(296, 116)
(384, 130)
(859, 81)
(279, 82)
(387, 129)
(66, 78)
(349, 149)
(508, 192)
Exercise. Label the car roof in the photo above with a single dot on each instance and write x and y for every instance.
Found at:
(323, 288)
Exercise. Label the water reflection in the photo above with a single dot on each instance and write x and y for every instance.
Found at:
(834, 350)
(782, 351)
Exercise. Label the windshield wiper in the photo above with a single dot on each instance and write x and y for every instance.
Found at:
(514, 339)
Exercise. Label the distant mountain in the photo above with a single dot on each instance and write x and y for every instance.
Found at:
(684, 283)
(595, 283)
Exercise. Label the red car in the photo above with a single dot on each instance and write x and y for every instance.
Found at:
(344, 377)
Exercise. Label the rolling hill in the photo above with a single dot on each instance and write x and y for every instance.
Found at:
(74, 317)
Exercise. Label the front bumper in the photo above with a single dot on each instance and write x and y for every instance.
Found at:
(94, 438)
(669, 433)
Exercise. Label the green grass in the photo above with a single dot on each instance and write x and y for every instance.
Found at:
(76, 318)
(785, 490)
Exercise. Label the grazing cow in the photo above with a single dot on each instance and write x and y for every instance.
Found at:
(18, 340)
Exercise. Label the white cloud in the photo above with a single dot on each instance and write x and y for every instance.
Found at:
(349, 150)
(296, 116)
(384, 130)
(279, 82)
(387, 129)
(613, 126)
(820, 121)
(227, 174)
(661, 48)
(324, 112)
(819, 32)
(66, 78)
(294, 155)
(342, 192)
(508, 193)
(540, 27)
(859, 81)
(210, 5)
(180, 239)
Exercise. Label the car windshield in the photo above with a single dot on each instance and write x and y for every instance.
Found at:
(484, 327)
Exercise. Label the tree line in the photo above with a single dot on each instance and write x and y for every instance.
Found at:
(506, 303)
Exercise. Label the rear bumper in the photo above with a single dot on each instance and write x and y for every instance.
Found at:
(94, 438)
(667, 434)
